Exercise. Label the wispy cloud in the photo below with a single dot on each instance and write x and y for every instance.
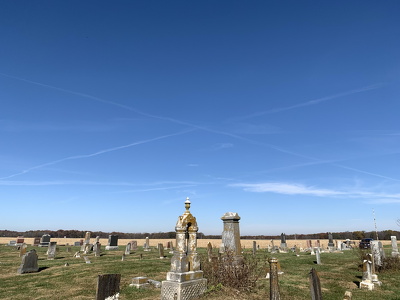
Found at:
(17, 126)
(285, 188)
(314, 101)
(221, 146)
(152, 186)
(94, 153)
(301, 189)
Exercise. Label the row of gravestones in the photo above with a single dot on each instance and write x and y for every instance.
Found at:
(187, 267)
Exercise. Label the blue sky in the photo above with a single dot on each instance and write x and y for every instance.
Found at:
(113, 112)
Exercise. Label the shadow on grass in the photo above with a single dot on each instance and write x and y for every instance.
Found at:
(357, 283)
(42, 269)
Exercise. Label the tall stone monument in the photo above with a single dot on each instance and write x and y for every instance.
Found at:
(395, 249)
(283, 241)
(331, 245)
(185, 279)
(231, 234)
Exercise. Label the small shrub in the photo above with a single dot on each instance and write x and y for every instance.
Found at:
(228, 271)
(390, 264)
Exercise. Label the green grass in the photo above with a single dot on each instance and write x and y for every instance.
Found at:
(338, 273)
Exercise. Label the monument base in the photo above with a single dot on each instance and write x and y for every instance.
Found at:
(112, 248)
(367, 285)
(172, 290)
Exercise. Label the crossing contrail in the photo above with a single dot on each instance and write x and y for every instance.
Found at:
(95, 153)
(313, 102)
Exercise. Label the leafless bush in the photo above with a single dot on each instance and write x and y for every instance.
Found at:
(229, 271)
(390, 264)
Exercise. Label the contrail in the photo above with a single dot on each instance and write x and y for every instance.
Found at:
(95, 153)
(313, 102)
(276, 110)
(172, 120)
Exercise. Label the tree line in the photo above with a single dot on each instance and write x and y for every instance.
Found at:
(79, 234)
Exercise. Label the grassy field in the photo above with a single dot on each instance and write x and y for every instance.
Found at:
(338, 272)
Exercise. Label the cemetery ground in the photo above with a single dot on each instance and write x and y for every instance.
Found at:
(338, 272)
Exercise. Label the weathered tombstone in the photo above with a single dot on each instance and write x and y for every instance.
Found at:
(283, 241)
(155, 283)
(231, 235)
(51, 252)
(331, 245)
(318, 256)
(107, 286)
(161, 250)
(77, 254)
(29, 263)
(348, 295)
(67, 247)
(395, 249)
(315, 285)
(374, 276)
(309, 244)
(274, 293)
(87, 238)
(36, 241)
(375, 251)
(87, 260)
(139, 282)
(318, 244)
(22, 250)
(45, 240)
(185, 279)
(128, 249)
(134, 245)
(366, 282)
(209, 251)
(20, 241)
(97, 249)
(77, 244)
(112, 242)
(146, 246)
(12, 243)
(254, 247)
(87, 248)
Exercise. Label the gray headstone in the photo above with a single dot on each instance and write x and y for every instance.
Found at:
(45, 240)
(318, 256)
(51, 252)
(283, 241)
(395, 249)
(161, 250)
(330, 237)
(128, 249)
(112, 242)
(376, 253)
(134, 246)
(29, 263)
